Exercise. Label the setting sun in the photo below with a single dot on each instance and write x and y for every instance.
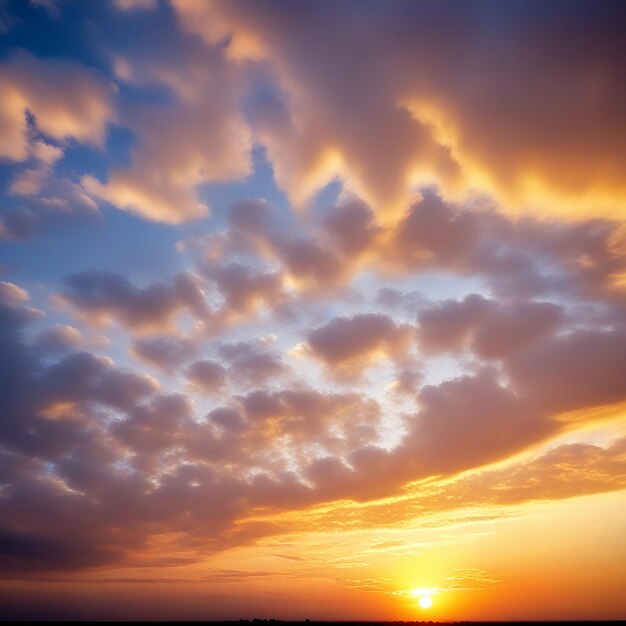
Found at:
(425, 602)
(424, 597)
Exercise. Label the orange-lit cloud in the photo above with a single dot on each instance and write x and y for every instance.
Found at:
(348, 345)
(217, 368)
(462, 117)
(66, 100)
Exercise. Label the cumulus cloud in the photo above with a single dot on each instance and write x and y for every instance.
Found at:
(60, 338)
(45, 200)
(166, 353)
(251, 363)
(425, 122)
(121, 454)
(11, 293)
(336, 422)
(470, 421)
(199, 137)
(352, 227)
(347, 345)
(522, 258)
(66, 100)
(103, 297)
(307, 261)
(98, 461)
(490, 329)
(151, 429)
(581, 369)
(245, 289)
(207, 376)
(421, 125)
(278, 443)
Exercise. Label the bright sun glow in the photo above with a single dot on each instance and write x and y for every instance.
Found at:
(424, 597)
(425, 602)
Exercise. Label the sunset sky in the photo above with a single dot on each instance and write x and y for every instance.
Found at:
(313, 309)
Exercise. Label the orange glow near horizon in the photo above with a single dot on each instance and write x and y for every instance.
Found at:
(463, 569)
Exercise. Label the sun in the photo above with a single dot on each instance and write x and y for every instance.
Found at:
(424, 597)
(425, 602)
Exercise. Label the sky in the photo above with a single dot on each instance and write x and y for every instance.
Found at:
(312, 309)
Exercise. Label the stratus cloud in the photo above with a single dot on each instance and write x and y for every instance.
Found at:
(133, 5)
(66, 100)
(565, 471)
(461, 116)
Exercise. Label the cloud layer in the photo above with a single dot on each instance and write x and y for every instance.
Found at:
(341, 254)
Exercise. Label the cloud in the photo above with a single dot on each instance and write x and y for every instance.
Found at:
(154, 428)
(462, 117)
(81, 375)
(199, 135)
(121, 454)
(490, 329)
(446, 325)
(65, 99)
(12, 294)
(466, 422)
(103, 297)
(99, 463)
(60, 338)
(207, 376)
(347, 345)
(520, 258)
(564, 471)
(165, 353)
(407, 382)
(307, 261)
(434, 232)
(245, 289)
(45, 200)
(584, 368)
(421, 128)
(228, 419)
(470, 421)
(334, 422)
(132, 5)
(250, 363)
(352, 227)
